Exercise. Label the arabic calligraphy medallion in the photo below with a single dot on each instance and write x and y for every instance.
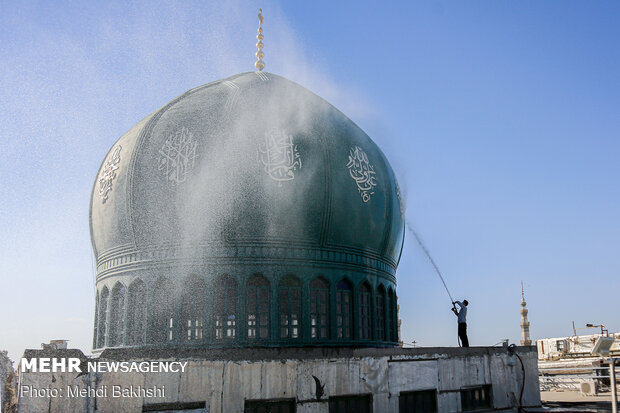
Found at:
(279, 156)
(177, 157)
(108, 173)
(362, 172)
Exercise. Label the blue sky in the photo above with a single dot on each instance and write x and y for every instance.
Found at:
(501, 120)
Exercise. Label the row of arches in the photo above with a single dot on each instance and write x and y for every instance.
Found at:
(252, 312)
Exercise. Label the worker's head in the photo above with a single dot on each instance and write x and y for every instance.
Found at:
(465, 302)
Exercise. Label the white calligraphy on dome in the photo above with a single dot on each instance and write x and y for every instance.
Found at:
(362, 172)
(401, 206)
(178, 156)
(279, 156)
(108, 173)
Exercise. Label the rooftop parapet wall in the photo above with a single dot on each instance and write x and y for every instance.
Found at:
(223, 380)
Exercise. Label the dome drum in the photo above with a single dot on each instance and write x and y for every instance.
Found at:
(287, 307)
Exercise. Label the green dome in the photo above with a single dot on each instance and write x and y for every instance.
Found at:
(246, 186)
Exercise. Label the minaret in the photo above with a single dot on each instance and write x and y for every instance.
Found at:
(525, 325)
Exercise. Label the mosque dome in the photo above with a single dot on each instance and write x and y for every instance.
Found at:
(246, 212)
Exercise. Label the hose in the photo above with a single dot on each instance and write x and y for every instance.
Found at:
(512, 350)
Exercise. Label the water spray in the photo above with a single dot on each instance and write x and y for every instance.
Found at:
(417, 237)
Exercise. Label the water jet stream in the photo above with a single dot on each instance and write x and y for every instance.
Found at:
(417, 237)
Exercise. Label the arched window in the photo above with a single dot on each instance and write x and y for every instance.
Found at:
(117, 314)
(380, 312)
(344, 299)
(395, 316)
(290, 307)
(257, 307)
(319, 308)
(102, 317)
(225, 308)
(96, 320)
(193, 308)
(136, 313)
(365, 324)
(161, 315)
(390, 315)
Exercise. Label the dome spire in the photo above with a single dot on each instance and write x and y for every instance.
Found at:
(260, 65)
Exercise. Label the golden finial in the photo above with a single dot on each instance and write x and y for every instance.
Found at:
(260, 65)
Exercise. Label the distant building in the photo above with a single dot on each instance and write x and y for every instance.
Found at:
(7, 383)
(567, 363)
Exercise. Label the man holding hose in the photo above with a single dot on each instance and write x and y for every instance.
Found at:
(462, 319)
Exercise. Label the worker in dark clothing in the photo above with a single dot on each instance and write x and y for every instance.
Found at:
(462, 318)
